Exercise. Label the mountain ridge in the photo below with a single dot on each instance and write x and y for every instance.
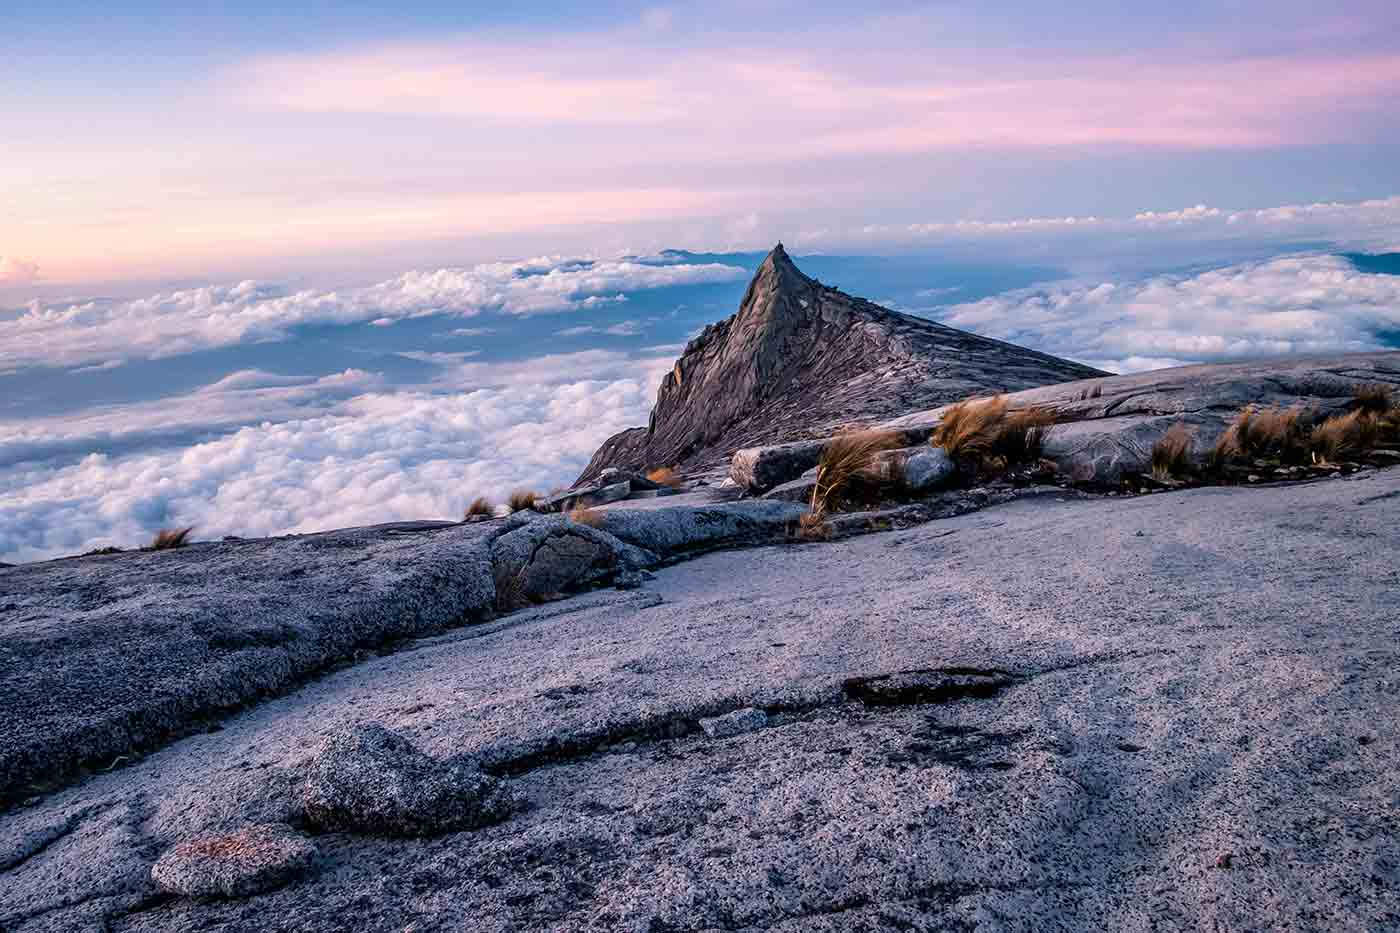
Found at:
(800, 358)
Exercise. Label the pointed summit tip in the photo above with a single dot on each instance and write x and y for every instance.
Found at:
(777, 259)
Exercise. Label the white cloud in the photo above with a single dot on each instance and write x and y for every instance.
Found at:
(1290, 305)
(1373, 224)
(369, 458)
(622, 329)
(16, 271)
(175, 323)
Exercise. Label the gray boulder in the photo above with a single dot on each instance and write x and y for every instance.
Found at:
(759, 469)
(926, 468)
(250, 861)
(555, 553)
(677, 529)
(797, 490)
(366, 779)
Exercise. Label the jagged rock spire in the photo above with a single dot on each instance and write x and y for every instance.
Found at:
(800, 358)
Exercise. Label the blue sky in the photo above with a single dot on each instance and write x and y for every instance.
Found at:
(271, 267)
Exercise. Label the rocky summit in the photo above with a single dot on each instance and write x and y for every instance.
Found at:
(1136, 672)
(800, 358)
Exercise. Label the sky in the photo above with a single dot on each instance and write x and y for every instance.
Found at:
(271, 267)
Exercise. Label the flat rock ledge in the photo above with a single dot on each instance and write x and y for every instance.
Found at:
(239, 864)
(367, 779)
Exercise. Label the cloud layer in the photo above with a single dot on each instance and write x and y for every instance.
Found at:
(1288, 305)
(373, 457)
(174, 323)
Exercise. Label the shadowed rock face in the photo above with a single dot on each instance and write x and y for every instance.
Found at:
(801, 358)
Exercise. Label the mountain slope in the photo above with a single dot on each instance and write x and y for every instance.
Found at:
(800, 358)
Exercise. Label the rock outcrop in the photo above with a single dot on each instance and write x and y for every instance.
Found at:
(250, 861)
(1105, 428)
(367, 779)
(1172, 711)
(800, 358)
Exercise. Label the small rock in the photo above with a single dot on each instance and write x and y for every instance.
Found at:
(371, 780)
(631, 579)
(238, 864)
(736, 723)
(1224, 860)
(927, 468)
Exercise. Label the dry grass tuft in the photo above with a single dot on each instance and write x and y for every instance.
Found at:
(1267, 432)
(170, 538)
(986, 432)
(968, 428)
(666, 476)
(813, 527)
(522, 499)
(1171, 453)
(582, 514)
(480, 506)
(1374, 397)
(844, 462)
(1345, 437)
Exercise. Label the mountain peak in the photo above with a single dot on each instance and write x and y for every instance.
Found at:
(800, 358)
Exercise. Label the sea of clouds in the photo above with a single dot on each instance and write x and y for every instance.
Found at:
(257, 452)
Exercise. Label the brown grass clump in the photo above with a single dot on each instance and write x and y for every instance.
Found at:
(813, 527)
(1171, 453)
(1267, 432)
(521, 499)
(1345, 437)
(582, 514)
(986, 432)
(1374, 397)
(666, 476)
(843, 463)
(170, 538)
(481, 506)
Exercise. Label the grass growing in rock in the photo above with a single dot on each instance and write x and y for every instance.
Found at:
(1294, 436)
(1345, 437)
(1266, 433)
(480, 507)
(666, 476)
(522, 499)
(1171, 453)
(847, 463)
(988, 434)
(170, 538)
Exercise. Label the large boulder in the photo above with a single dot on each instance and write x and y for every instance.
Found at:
(554, 554)
(366, 779)
(759, 469)
(250, 861)
(672, 531)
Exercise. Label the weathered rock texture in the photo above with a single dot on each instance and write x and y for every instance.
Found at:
(250, 861)
(106, 657)
(1108, 426)
(800, 358)
(1166, 712)
(1105, 428)
(366, 779)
